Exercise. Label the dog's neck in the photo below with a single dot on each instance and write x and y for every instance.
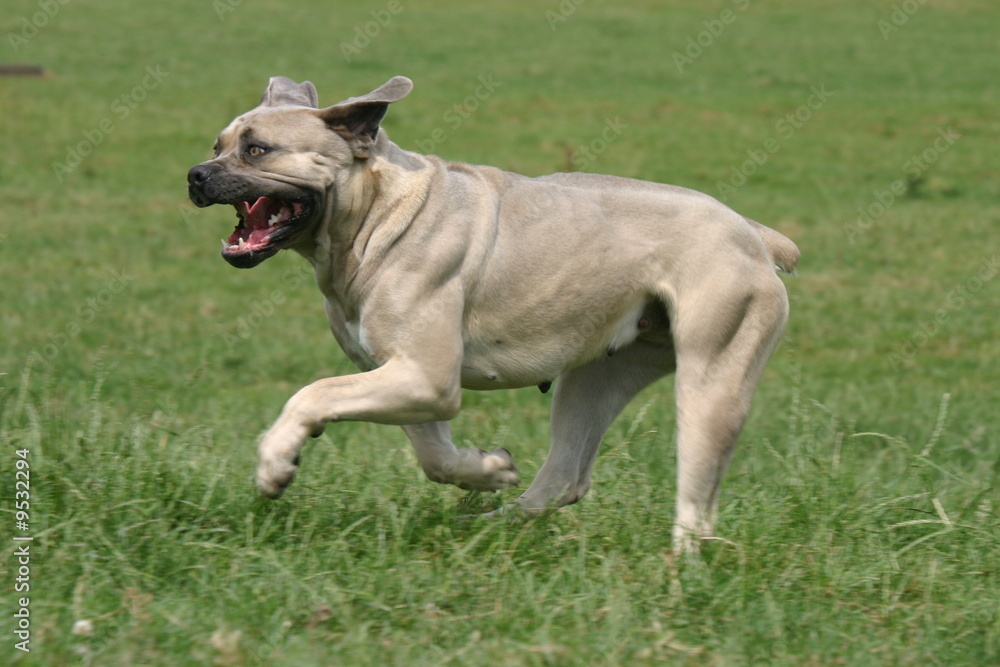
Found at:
(384, 182)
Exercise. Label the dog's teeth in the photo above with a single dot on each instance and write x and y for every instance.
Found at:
(224, 244)
(274, 219)
(242, 242)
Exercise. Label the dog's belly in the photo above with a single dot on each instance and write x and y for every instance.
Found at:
(501, 370)
(506, 360)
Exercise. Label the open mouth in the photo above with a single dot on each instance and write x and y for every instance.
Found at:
(265, 227)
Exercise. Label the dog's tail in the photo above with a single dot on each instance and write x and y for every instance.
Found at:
(783, 251)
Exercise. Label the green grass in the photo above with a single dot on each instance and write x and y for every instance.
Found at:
(859, 518)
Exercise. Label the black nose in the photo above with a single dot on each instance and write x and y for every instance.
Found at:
(199, 174)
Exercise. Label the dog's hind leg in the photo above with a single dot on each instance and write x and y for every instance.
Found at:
(586, 400)
(466, 468)
(724, 336)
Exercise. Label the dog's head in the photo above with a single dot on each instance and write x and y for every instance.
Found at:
(278, 164)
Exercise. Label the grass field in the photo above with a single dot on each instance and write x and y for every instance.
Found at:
(859, 518)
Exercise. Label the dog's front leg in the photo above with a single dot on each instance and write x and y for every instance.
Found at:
(399, 392)
(466, 468)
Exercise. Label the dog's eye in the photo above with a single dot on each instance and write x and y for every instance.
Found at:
(255, 151)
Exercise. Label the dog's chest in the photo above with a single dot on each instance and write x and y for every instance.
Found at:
(350, 336)
(355, 347)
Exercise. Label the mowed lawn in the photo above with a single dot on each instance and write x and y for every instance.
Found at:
(859, 520)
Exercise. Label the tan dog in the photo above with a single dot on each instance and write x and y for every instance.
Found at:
(440, 276)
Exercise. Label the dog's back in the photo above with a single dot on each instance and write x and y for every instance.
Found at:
(782, 249)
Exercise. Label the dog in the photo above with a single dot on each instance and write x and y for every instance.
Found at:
(441, 276)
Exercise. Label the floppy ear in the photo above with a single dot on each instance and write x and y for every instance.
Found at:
(282, 91)
(357, 119)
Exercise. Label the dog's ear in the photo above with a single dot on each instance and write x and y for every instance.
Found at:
(282, 91)
(357, 119)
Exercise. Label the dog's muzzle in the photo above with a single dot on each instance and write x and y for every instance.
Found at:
(267, 222)
(197, 178)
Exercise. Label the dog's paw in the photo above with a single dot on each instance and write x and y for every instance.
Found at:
(279, 454)
(279, 458)
(486, 471)
(273, 477)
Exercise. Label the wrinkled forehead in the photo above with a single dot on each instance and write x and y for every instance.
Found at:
(272, 127)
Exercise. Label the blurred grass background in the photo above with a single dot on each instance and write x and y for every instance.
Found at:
(142, 415)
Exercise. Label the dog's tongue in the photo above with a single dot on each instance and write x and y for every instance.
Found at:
(259, 215)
